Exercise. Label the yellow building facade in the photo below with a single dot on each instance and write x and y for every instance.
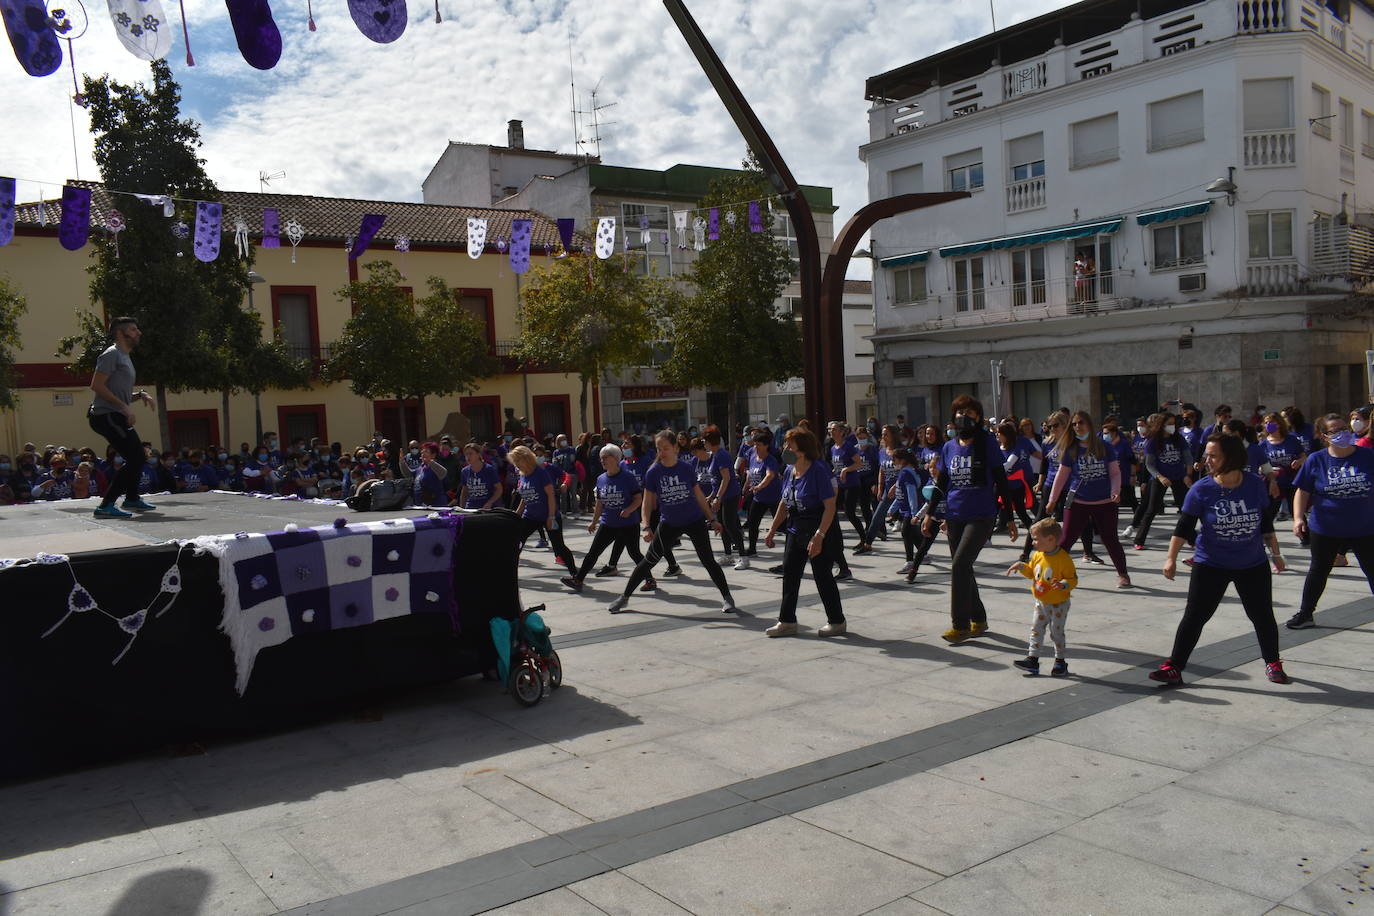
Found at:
(296, 289)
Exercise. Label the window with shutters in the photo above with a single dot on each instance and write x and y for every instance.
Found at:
(1093, 142)
(1268, 104)
(909, 180)
(1176, 121)
(1178, 245)
(1271, 234)
(969, 292)
(1026, 157)
(964, 171)
(1320, 117)
(909, 284)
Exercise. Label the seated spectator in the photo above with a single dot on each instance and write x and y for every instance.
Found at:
(26, 477)
(301, 478)
(231, 475)
(257, 472)
(84, 486)
(57, 482)
(7, 497)
(195, 475)
(327, 470)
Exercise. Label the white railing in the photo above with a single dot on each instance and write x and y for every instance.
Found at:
(1056, 297)
(1342, 250)
(1273, 279)
(1027, 194)
(1266, 148)
(1261, 16)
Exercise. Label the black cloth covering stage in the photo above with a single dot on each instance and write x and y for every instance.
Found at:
(65, 703)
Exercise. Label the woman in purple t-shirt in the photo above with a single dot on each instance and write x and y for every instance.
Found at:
(1230, 504)
(480, 488)
(670, 487)
(538, 507)
(618, 496)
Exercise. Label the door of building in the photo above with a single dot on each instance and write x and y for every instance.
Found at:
(1129, 396)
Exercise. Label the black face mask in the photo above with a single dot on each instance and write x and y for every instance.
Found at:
(966, 426)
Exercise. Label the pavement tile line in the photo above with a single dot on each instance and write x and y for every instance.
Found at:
(539, 866)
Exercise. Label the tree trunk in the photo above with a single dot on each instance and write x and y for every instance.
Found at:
(582, 403)
(164, 425)
(224, 401)
(730, 420)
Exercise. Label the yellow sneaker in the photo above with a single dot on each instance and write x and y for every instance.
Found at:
(956, 635)
(977, 629)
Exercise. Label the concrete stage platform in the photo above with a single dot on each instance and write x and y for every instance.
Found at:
(67, 526)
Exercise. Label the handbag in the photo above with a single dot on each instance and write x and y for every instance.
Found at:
(380, 496)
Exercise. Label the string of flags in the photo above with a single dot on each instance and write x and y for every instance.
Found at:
(208, 227)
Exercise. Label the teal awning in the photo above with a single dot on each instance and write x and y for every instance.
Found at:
(901, 260)
(1179, 212)
(1076, 231)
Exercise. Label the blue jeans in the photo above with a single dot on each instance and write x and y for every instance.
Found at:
(877, 527)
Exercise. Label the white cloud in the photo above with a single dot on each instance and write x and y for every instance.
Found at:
(344, 116)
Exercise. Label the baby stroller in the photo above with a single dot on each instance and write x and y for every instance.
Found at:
(525, 658)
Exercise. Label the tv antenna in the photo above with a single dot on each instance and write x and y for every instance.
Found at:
(595, 114)
(265, 178)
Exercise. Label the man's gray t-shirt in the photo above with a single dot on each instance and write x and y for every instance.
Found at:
(116, 364)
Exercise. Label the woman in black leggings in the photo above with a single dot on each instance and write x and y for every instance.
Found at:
(613, 522)
(538, 506)
(763, 486)
(1168, 461)
(1337, 484)
(1230, 505)
(846, 469)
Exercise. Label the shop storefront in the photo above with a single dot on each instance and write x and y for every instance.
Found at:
(646, 409)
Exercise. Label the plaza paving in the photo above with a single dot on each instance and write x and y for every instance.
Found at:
(689, 764)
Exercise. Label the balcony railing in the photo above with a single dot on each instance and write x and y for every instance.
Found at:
(1261, 16)
(1266, 148)
(1027, 194)
(1054, 297)
(1342, 251)
(1273, 279)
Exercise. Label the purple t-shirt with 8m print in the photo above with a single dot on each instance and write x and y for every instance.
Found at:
(675, 489)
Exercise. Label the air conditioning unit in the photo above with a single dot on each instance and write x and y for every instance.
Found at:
(1192, 283)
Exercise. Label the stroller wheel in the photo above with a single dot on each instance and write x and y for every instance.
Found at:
(555, 670)
(526, 684)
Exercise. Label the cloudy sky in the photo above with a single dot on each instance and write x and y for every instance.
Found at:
(344, 116)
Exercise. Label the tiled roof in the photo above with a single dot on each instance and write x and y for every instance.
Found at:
(329, 218)
(858, 286)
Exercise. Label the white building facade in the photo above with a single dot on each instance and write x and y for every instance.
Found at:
(1092, 262)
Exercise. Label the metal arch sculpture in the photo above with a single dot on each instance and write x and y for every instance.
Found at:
(822, 293)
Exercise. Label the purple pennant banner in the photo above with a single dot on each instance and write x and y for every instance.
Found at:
(32, 36)
(257, 34)
(372, 223)
(6, 210)
(208, 217)
(520, 245)
(76, 217)
(381, 21)
(271, 229)
(565, 234)
(713, 232)
(755, 217)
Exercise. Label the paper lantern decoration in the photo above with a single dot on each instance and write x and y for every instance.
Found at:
(33, 39)
(76, 217)
(371, 223)
(477, 237)
(605, 237)
(241, 238)
(257, 35)
(6, 210)
(271, 229)
(520, 230)
(382, 21)
(294, 233)
(142, 27)
(729, 217)
(755, 217)
(565, 235)
(208, 216)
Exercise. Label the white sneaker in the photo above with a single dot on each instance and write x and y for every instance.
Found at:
(618, 605)
(729, 608)
(1128, 531)
(781, 629)
(742, 563)
(833, 629)
(910, 565)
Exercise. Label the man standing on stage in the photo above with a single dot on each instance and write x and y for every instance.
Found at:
(112, 415)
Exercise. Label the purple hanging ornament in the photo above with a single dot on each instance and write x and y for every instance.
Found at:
(381, 21)
(520, 230)
(76, 217)
(372, 222)
(258, 38)
(208, 216)
(271, 229)
(565, 235)
(6, 210)
(755, 217)
(713, 222)
(31, 35)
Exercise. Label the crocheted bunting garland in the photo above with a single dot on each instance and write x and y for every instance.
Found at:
(308, 580)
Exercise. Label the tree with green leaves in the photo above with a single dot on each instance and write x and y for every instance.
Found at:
(728, 334)
(186, 308)
(396, 347)
(12, 305)
(591, 316)
(246, 362)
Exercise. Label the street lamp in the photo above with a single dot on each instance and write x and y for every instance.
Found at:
(1225, 186)
(254, 278)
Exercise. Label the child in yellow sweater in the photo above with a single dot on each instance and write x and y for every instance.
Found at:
(1052, 576)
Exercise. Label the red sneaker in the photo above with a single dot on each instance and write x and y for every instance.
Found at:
(1167, 674)
(1274, 671)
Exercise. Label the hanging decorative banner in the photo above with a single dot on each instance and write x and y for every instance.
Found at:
(605, 237)
(208, 216)
(271, 229)
(477, 237)
(382, 21)
(241, 238)
(76, 217)
(6, 210)
(42, 209)
(729, 217)
(294, 233)
(32, 37)
(680, 221)
(565, 235)
(644, 234)
(115, 225)
(520, 244)
(501, 247)
(699, 234)
(755, 217)
(142, 27)
(257, 34)
(403, 245)
(372, 222)
(714, 224)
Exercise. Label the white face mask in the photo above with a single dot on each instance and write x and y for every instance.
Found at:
(1141, 431)
(1358, 425)
(1169, 430)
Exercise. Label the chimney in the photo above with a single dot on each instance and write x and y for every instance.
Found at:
(515, 134)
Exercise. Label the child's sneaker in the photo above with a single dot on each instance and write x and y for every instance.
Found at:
(1167, 674)
(1274, 671)
(1029, 664)
(1060, 669)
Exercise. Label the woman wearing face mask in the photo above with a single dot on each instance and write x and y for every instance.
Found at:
(429, 480)
(868, 483)
(479, 487)
(1285, 454)
(1337, 485)
(1120, 446)
(637, 459)
(845, 468)
(969, 483)
(764, 485)
(1360, 426)
(1140, 477)
(1168, 461)
(883, 490)
(1092, 475)
(257, 472)
(618, 497)
(1056, 425)
(1016, 462)
(538, 505)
